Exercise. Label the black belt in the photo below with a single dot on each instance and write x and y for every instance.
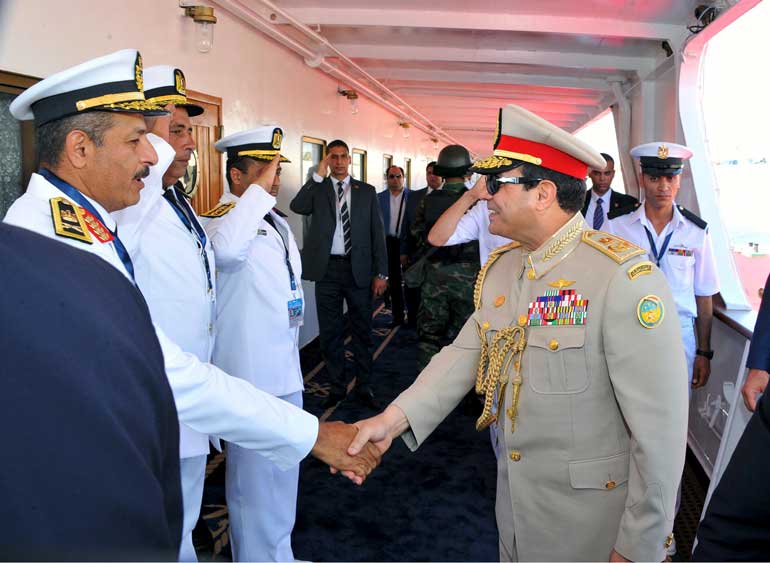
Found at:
(338, 258)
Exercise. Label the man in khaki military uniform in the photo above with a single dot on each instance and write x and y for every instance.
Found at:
(577, 333)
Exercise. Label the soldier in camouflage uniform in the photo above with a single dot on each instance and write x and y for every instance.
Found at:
(450, 271)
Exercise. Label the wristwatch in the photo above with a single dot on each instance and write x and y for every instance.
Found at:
(705, 353)
(382, 277)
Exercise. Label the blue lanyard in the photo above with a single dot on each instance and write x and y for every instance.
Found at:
(292, 279)
(655, 254)
(185, 213)
(82, 201)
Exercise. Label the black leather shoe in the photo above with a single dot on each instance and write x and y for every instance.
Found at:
(333, 399)
(366, 398)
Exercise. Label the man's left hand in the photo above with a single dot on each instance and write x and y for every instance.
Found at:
(379, 286)
(700, 371)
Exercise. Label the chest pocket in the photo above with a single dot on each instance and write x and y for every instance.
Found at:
(682, 270)
(555, 360)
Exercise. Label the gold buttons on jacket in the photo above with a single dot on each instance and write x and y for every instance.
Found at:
(609, 485)
(669, 540)
(485, 325)
(515, 456)
(531, 275)
(553, 344)
(522, 320)
(499, 300)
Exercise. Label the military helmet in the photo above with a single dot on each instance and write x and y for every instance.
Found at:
(453, 161)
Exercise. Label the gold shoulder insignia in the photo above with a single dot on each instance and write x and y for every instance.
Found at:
(493, 256)
(68, 220)
(220, 210)
(620, 250)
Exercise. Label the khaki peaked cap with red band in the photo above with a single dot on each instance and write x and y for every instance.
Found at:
(522, 136)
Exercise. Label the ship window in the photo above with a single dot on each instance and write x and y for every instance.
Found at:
(313, 150)
(359, 164)
(736, 122)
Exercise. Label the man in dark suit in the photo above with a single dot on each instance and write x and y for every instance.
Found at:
(94, 473)
(601, 198)
(410, 242)
(736, 526)
(393, 202)
(344, 253)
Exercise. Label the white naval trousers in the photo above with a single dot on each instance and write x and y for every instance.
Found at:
(688, 338)
(261, 502)
(193, 473)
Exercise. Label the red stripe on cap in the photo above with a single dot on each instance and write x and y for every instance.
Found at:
(552, 158)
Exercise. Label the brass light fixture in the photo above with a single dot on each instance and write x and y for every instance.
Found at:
(204, 19)
(404, 128)
(352, 97)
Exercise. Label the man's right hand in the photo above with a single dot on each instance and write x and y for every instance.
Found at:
(756, 382)
(331, 445)
(267, 175)
(161, 124)
(479, 189)
(323, 167)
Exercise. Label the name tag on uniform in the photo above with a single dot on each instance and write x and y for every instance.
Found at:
(295, 312)
(261, 232)
(680, 251)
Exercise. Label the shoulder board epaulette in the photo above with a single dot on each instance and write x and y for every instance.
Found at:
(493, 256)
(623, 210)
(620, 250)
(68, 220)
(692, 217)
(219, 210)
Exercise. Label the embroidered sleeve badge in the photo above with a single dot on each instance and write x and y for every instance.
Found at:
(650, 311)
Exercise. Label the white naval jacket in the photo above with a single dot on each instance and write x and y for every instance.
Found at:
(172, 277)
(254, 339)
(206, 398)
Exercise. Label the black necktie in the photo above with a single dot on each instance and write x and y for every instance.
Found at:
(345, 217)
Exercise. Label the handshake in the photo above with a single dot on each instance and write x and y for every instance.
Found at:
(356, 449)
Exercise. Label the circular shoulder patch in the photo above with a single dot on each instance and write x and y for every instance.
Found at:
(650, 311)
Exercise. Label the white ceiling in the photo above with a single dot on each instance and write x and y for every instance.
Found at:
(456, 61)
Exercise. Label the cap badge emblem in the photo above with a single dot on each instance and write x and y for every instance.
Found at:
(662, 151)
(138, 73)
(277, 138)
(179, 83)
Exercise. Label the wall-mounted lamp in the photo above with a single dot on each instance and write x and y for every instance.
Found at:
(204, 19)
(434, 140)
(352, 97)
(404, 128)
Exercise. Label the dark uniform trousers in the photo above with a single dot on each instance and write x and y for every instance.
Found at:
(395, 284)
(336, 285)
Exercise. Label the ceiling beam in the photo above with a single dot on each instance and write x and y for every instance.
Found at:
(556, 59)
(445, 19)
(394, 73)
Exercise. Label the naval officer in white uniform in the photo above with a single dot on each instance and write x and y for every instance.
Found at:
(260, 307)
(95, 159)
(678, 242)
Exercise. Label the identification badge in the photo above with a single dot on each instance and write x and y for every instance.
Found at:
(295, 313)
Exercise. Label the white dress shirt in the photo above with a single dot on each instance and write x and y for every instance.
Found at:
(338, 240)
(206, 399)
(474, 225)
(396, 219)
(255, 341)
(688, 262)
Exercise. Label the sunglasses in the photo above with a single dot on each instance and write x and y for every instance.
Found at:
(392, 176)
(494, 183)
